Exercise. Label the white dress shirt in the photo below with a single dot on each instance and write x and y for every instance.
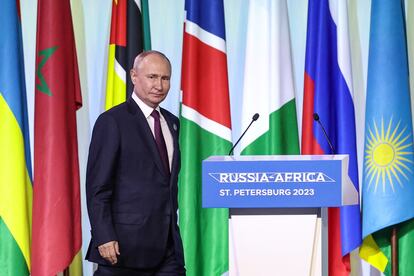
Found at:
(147, 110)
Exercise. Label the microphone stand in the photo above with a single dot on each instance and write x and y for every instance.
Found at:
(316, 118)
(254, 118)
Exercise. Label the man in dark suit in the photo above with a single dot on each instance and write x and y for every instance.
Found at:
(131, 180)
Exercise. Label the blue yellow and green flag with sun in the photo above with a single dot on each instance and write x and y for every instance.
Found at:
(388, 181)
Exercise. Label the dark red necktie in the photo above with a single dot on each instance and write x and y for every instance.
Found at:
(159, 139)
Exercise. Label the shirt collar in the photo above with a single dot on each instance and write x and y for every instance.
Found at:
(146, 109)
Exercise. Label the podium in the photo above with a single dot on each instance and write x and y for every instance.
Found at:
(275, 202)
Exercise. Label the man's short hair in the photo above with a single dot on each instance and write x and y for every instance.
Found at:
(140, 57)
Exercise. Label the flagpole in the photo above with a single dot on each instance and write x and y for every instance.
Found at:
(394, 251)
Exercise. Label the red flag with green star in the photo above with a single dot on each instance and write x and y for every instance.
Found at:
(56, 230)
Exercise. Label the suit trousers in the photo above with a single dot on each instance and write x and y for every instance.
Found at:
(168, 267)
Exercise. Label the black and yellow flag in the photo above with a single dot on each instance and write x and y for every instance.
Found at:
(130, 35)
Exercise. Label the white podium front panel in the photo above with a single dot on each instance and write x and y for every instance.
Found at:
(265, 245)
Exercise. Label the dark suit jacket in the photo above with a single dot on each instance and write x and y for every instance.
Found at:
(130, 197)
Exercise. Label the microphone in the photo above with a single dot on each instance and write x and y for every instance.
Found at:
(316, 119)
(254, 118)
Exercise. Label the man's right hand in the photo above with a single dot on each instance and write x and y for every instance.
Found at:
(109, 251)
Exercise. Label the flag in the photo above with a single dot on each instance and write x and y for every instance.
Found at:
(15, 166)
(328, 92)
(205, 131)
(388, 180)
(268, 82)
(56, 196)
(130, 35)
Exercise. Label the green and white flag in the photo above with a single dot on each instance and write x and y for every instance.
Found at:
(268, 82)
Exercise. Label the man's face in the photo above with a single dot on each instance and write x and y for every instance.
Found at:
(152, 79)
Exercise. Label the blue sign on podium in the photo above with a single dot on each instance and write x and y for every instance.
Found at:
(277, 181)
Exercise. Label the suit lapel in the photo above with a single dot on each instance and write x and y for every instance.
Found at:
(145, 131)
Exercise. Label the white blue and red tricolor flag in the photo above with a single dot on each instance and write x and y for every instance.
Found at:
(328, 92)
(205, 131)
